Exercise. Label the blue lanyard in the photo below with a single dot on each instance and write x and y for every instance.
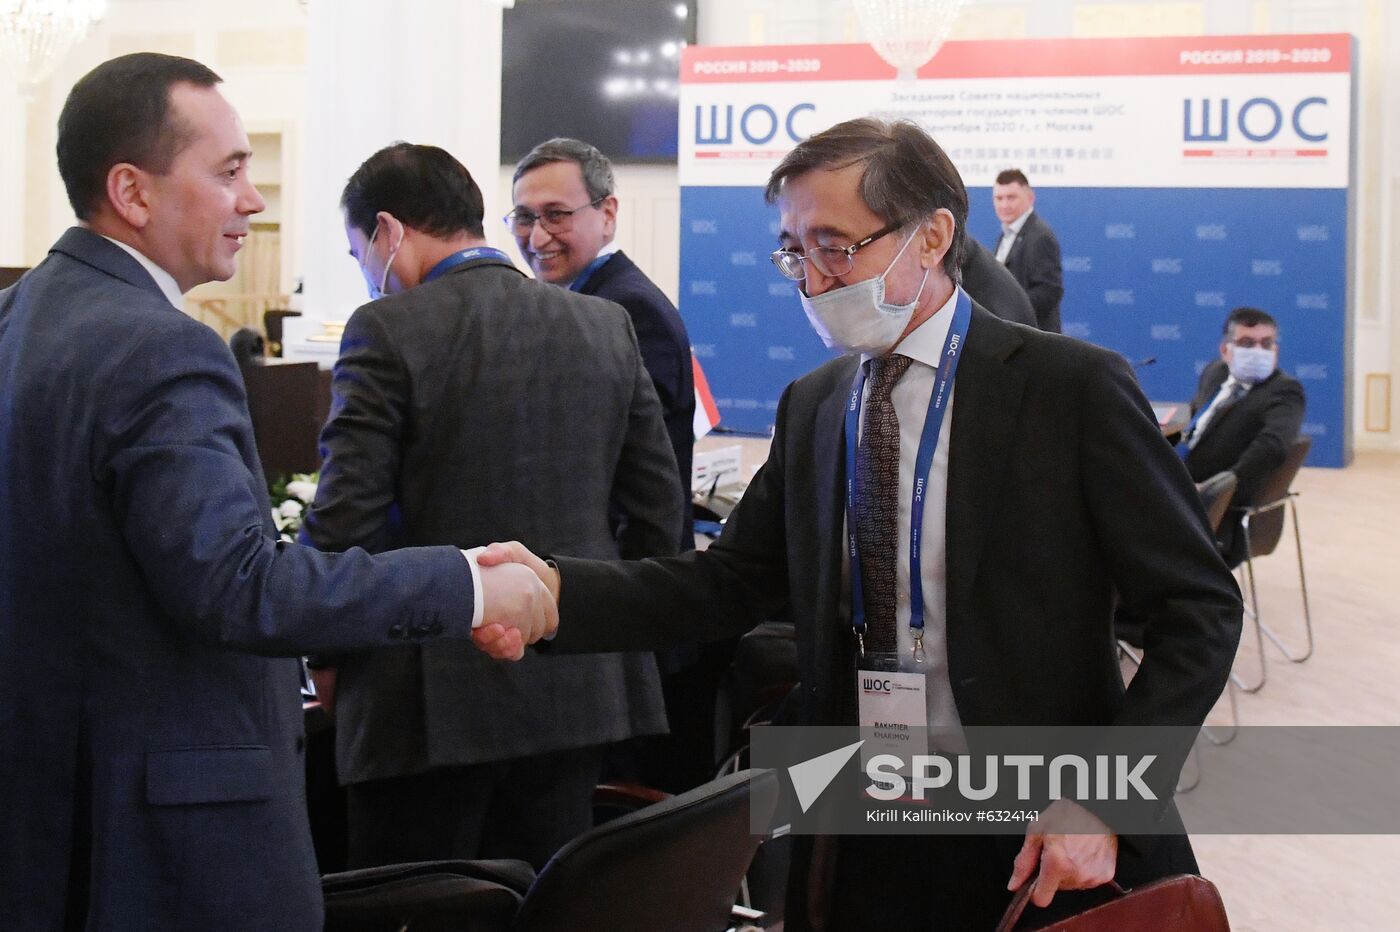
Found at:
(928, 443)
(588, 270)
(466, 255)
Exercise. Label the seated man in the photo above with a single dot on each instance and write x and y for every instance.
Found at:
(1245, 415)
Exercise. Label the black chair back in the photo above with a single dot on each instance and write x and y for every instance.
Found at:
(429, 896)
(1216, 493)
(272, 326)
(676, 865)
(1265, 523)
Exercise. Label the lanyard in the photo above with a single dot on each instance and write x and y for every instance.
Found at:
(928, 443)
(466, 255)
(588, 270)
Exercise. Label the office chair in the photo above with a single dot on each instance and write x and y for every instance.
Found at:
(1216, 493)
(1262, 527)
(676, 865)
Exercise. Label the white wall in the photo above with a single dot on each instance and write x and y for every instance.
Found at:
(262, 48)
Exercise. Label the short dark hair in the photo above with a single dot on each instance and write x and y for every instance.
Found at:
(1247, 317)
(423, 186)
(1013, 176)
(907, 174)
(593, 165)
(120, 112)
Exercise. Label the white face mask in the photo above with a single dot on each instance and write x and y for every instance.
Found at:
(855, 319)
(377, 291)
(1252, 364)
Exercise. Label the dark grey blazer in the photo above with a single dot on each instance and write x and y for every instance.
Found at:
(1034, 260)
(1061, 490)
(487, 406)
(151, 744)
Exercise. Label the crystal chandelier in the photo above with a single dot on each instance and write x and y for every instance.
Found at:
(907, 33)
(36, 34)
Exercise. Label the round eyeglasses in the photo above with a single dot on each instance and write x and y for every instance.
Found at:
(831, 261)
(554, 220)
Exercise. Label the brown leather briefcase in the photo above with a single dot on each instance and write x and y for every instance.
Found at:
(1185, 903)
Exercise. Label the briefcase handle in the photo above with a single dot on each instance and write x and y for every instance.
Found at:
(1018, 903)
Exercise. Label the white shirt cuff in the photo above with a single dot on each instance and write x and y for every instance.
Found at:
(478, 598)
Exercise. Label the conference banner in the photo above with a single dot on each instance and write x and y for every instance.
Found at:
(1183, 177)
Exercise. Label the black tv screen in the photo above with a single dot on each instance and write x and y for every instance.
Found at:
(604, 71)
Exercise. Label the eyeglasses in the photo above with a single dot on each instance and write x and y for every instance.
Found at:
(554, 220)
(831, 261)
(1250, 343)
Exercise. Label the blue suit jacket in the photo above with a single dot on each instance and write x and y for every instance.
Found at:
(665, 347)
(150, 749)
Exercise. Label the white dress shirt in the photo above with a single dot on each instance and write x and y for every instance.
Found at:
(1226, 389)
(163, 279)
(910, 397)
(1009, 232)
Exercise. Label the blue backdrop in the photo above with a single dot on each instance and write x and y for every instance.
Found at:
(1149, 272)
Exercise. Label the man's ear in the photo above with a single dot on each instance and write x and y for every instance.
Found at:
(608, 206)
(127, 194)
(937, 238)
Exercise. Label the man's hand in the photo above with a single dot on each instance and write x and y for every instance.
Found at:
(1074, 848)
(514, 598)
(499, 642)
(516, 552)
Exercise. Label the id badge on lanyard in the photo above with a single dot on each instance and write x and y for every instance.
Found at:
(893, 706)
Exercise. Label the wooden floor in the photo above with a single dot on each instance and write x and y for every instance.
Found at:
(1350, 520)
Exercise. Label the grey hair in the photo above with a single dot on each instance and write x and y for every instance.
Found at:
(594, 165)
(906, 178)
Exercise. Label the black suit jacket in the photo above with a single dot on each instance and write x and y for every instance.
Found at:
(151, 742)
(988, 283)
(1249, 438)
(1034, 260)
(665, 349)
(1061, 490)
(487, 406)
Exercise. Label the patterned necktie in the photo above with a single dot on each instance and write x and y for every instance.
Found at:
(877, 506)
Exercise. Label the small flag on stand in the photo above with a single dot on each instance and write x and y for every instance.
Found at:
(706, 414)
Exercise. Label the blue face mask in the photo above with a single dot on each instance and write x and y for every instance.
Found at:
(1252, 364)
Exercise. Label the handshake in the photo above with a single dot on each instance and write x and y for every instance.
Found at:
(520, 595)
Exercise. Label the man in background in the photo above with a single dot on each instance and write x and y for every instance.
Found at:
(152, 765)
(1246, 413)
(1028, 248)
(472, 403)
(989, 284)
(564, 221)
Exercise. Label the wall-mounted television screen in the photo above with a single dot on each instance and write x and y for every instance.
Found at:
(604, 71)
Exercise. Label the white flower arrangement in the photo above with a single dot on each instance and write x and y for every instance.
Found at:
(290, 495)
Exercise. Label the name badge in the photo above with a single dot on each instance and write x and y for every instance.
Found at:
(893, 716)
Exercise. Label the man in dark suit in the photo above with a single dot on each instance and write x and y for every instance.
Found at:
(472, 403)
(989, 284)
(564, 221)
(151, 748)
(576, 249)
(1028, 248)
(1246, 413)
(1035, 514)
